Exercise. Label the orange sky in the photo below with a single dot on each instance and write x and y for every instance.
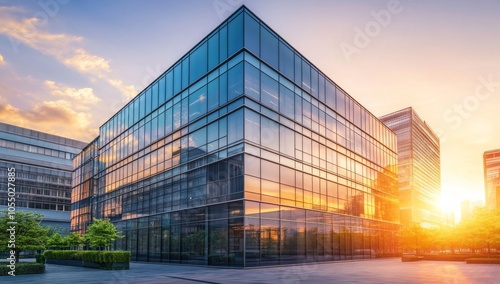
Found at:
(66, 69)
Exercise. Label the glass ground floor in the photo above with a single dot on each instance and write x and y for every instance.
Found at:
(249, 233)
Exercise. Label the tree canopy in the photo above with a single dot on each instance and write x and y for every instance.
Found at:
(29, 234)
(101, 233)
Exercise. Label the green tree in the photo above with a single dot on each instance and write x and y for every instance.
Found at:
(414, 237)
(27, 232)
(483, 229)
(74, 240)
(101, 233)
(56, 241)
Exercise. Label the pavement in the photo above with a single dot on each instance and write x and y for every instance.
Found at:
(389, 270)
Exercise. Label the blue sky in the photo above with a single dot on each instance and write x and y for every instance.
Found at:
(67, 66)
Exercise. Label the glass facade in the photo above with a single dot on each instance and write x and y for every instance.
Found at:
(419, 168)
(42, 164)
(491, 160)
(242, 154)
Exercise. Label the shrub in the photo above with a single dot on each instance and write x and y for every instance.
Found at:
(89, 255)
(40, 258)
(22, 268)
(483, 260)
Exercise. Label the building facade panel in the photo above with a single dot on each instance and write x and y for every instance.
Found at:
(419, 169)
(491, 161)
(42, 166)
(245, 154)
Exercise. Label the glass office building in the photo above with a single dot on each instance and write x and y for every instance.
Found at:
(419, 168)
(242, 154)
(491, 160)
(42, 166)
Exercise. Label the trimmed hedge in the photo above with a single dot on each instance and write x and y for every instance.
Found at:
(411, 258)
(483, 261)
(89, 255)
(22, 268)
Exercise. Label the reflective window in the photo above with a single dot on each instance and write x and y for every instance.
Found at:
(185, 72)
(223, 89)
(213, 94)
(287, 102)
(269, 47)
(252, 39)
(198, 62)
(162, 90)
(213, 51)
(235, 131)
(198, 103)
(169, 85)
(252, 126)
(252, 81)
(235, 81)
(286, 60)
(177, 79)
(235, 34)
(269, 134)
(223, 44)
(269, 92)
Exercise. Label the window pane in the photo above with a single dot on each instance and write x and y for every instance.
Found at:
(198, 63)
(223, 89)
(213, 94)
(235, 34)
(252, 126)
(234, 129)
(169, 85)
(213, 51)
(306, 76)
(185, 72)
(314, 82)
(269, 134)
(198, 103)
(154, 91)
(161, 91)
(177, 79)
(223, 44)
(252, 81)
(287, 137)
(330, 95)
(252, 40)
(287, 101)
(269, 47)
(269, 92)
(286, 61)
(235, 81)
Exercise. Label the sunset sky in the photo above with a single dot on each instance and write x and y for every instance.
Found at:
(67, 66)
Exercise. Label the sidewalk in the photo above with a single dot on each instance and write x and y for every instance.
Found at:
(370, 271)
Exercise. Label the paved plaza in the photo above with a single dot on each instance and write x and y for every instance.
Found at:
(369, 271)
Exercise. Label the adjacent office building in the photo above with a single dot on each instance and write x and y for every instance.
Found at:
(419, 168)
(491, 164)
(467, 207)
(242, 154)
(42, 164)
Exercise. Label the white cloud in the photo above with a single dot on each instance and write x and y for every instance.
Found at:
(66, 48)
(2, 61)
(88, 63)
(128, 91)
(82, 96)
(55, 117)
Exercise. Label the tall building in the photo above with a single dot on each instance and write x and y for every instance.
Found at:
(419, 169)
(467, 207)
(42, 164)
(491, 164)
(242, 154)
